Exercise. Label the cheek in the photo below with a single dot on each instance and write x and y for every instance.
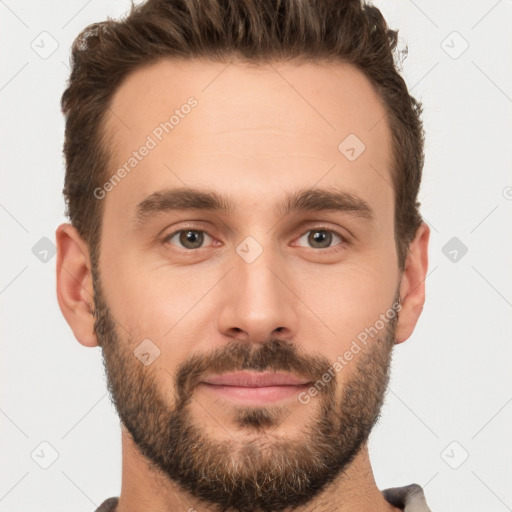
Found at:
(151, 301)
(342, 302)
(170, 307)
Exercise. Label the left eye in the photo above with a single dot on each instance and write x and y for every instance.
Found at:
(321, 238)
(189, 238)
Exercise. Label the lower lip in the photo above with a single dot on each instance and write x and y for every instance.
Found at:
(254, 396)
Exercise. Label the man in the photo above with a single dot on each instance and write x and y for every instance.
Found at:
(245, 247)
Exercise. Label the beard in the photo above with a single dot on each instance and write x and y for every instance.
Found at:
(261, 472)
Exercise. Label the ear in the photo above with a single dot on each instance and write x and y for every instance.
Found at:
(412, 286)
(74, 284)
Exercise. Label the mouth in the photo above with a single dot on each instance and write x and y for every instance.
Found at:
(255, 388)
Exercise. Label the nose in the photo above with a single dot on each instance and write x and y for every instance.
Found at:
(258, 301)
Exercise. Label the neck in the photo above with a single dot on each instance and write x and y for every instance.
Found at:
(145, 488)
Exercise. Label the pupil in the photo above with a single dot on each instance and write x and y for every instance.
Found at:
(191, 237)
(322, 236)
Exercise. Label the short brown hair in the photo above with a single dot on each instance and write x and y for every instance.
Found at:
(104, 54)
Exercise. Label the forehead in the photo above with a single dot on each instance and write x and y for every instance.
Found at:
(259, 128)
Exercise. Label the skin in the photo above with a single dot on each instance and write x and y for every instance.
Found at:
(257, 134)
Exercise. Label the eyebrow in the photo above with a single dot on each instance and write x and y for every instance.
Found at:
(304, 200)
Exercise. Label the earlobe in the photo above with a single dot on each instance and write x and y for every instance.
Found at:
(74, 284)
(412, 287)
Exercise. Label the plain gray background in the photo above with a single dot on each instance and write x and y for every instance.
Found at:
(447, 417)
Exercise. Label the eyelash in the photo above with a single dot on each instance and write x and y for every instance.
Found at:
(340, 246)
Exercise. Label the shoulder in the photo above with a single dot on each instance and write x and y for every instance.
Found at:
(410, 498)
(109, 505)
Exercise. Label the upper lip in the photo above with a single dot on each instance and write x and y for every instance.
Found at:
(255, 379)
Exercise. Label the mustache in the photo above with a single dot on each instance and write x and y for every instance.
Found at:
(273, 355)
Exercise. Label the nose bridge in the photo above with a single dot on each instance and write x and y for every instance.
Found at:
(257, 302)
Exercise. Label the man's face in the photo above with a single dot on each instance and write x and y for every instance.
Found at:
(257, 287)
